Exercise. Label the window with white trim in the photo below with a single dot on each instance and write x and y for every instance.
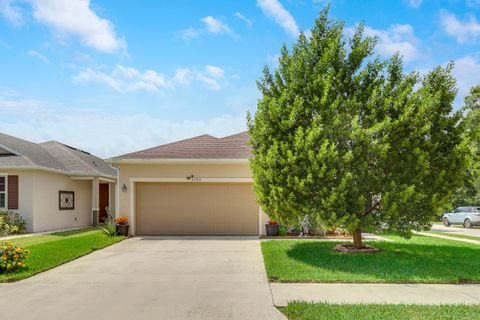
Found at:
(3, 192)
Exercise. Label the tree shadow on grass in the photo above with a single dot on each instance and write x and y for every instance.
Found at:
(397, 262)
(73, 232)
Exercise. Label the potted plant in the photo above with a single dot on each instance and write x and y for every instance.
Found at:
(272, 227)
(121, 224)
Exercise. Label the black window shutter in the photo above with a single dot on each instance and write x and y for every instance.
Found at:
(12, 192)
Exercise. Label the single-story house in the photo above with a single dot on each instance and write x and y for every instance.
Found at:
(197, 186)
(54, 186)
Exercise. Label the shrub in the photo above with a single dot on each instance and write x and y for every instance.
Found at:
(12, 258)
(282, 230)
(121, 220)
(11, 223)
(110, 229)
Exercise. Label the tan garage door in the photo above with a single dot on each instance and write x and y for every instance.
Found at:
(196, 209)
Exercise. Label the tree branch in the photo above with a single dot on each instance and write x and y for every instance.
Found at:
(372, 208)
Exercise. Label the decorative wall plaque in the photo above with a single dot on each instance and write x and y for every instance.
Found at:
(66, 200)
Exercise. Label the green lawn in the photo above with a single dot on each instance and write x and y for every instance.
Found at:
(49, 251)
(421, 259)
(323, 311)
(455, 235)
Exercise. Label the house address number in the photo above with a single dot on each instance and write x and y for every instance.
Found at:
(192, 178)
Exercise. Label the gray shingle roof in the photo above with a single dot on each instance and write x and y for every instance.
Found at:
(201, 147)
(50, 155)
(77, 161)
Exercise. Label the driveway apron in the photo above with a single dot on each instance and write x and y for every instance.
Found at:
(150, 278)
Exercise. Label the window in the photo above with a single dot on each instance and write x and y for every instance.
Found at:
(3, 192)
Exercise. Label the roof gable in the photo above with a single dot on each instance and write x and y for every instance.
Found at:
(50, 155)
(76, 160)
(29, 153)
(201, 147)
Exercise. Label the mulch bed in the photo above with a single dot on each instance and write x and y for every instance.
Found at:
(349, 248)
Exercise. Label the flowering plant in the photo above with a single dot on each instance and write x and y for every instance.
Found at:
(122, 220)
(272, 222)
(11, 257)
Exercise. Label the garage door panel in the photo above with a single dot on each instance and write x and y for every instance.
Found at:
(196, 209)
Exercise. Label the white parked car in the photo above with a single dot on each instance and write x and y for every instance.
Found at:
(467, 216)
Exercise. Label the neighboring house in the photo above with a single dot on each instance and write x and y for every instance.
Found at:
(52, 185)
(198, 186)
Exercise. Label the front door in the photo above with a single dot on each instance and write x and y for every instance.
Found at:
(103, 201)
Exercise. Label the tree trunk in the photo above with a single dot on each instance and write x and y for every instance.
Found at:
(357, 239)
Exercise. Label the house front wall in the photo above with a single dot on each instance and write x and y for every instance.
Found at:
(130, 174)
(46, 212)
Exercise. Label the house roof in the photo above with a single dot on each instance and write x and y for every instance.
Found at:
(201, 147)
(52, 155)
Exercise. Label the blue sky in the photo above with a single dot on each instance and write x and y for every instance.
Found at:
(113, 76)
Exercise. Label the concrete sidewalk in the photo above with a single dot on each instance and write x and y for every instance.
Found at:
(434, 235)
(456, 229)
(352, 293)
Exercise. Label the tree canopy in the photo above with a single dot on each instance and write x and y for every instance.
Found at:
(352, 140)
(469, 193)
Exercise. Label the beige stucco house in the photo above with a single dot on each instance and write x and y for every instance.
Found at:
(198, 186)
(52, 185)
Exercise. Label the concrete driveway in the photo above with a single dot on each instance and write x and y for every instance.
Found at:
(150, 278)
(457, 229)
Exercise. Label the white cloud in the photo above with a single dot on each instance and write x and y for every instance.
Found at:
(189, 34)
(463, 31)
(90, 75)
(127, 79)
(467, 71)
(275, 10)
(183, 76)
(38, 55)
(127, 72)
(106, 134)
(215, 26)
(414, 3)
(210, 25)
(214, 71)
(11, 12)
(157, 79)
(245, 19)
(208, 82)
(72, 17)
(398, 38)
(20, 106)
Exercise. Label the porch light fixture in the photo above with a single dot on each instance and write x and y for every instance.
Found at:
(124, 188)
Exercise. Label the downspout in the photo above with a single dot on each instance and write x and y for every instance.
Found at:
(117, 191)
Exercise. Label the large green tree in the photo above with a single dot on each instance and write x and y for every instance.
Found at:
(469, 193)
(352, 140)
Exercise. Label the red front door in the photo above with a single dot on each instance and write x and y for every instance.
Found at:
(103, 201)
